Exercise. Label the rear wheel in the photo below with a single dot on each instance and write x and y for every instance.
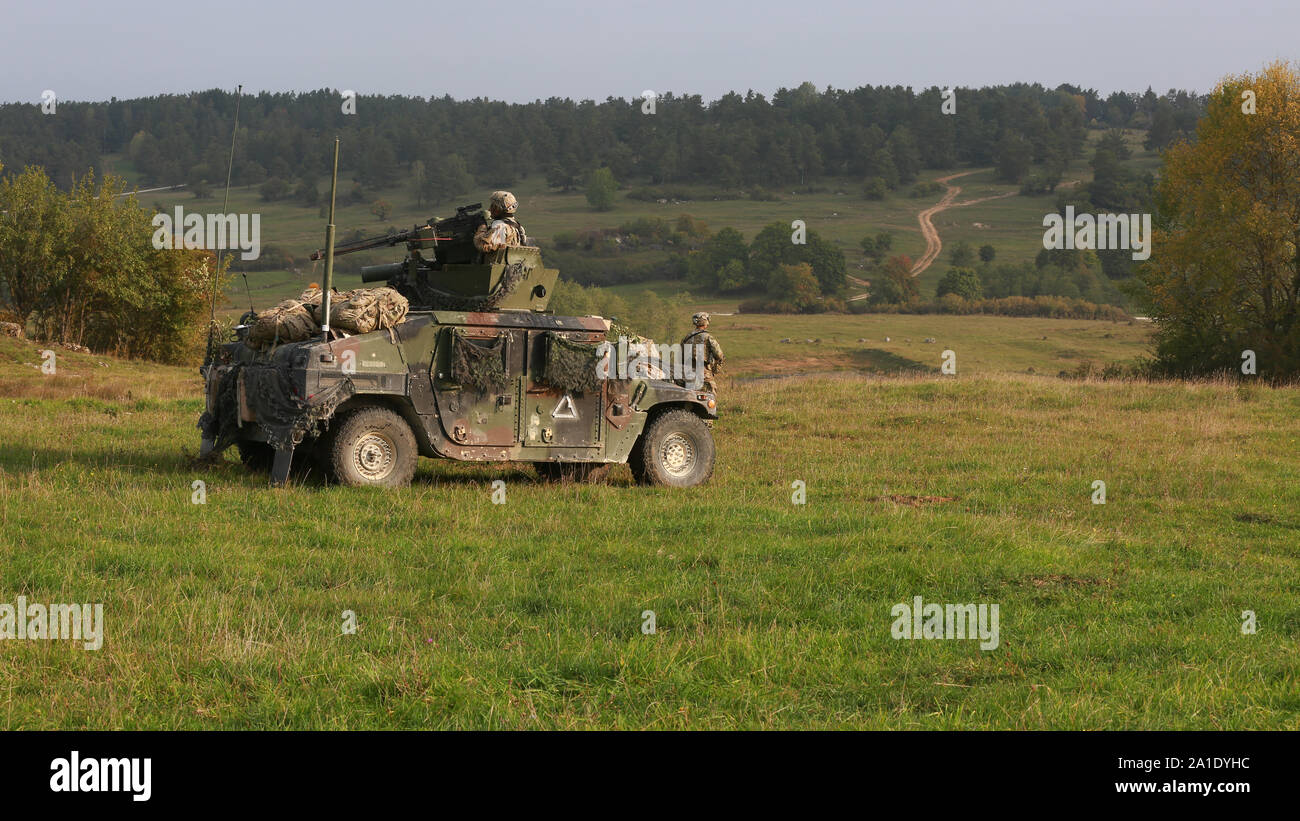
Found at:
(372, 447)
(676, 450)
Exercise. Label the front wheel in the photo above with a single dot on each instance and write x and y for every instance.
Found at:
(676, 450)
(372, 447)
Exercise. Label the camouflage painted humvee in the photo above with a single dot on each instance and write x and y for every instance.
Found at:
(478, 371)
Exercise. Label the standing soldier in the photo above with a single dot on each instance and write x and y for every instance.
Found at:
(504, 230)
(713, 357)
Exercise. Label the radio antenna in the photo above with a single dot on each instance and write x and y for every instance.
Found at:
(213, 330)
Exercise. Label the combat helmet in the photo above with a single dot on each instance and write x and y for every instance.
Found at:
(503, 202)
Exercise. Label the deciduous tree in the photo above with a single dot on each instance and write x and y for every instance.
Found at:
(1224, 275)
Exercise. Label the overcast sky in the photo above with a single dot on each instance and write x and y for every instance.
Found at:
(534, 49)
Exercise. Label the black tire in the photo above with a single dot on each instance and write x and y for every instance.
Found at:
(321, 463)
(310, 462)
(371, 447)
(589, 472)
(676, 450)
(256, 456)
(636, 459)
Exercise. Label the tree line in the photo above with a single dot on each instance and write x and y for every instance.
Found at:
(444, 147)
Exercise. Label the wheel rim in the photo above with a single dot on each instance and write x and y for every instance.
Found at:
(373, 456)
(677, 455)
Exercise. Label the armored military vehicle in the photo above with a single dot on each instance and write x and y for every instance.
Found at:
(478, 371)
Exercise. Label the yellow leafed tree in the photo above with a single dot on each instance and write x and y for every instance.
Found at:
(1224, 277)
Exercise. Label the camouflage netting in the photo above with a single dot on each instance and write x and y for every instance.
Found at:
(432, 299)
(571, 366)
(364, 310)
(285, 418)
(477, 365)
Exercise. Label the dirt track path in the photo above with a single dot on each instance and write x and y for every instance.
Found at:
(933, 245)
(861, 283)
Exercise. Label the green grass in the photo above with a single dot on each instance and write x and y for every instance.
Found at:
(983, 345)
(769, 614)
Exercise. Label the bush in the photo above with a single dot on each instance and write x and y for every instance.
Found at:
(1035, 186)
(600, 189)
(960, 282)
(875, 189)
(1051, 307)
(274, 189)
(954, 304)
(796, 285)
(927, 189)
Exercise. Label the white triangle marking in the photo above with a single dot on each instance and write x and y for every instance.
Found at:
(565, 409)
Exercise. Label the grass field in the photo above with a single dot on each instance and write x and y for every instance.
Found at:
(968, 489)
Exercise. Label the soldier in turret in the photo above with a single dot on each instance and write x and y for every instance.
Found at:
(713, 357)
(504, 230)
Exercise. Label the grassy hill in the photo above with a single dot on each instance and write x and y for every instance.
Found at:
(838, 211)
(769, 614)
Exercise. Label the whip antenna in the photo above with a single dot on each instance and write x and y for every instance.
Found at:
(225, 203)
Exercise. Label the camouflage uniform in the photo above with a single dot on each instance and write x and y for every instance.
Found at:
(504, 230)
(713, 358)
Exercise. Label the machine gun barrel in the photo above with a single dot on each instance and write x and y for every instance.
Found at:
(381, 273)
(373, 242)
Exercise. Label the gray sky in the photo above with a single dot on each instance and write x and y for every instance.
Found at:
(531, 49)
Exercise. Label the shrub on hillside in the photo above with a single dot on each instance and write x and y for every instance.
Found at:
(961, 282)
(927, 189)
(875, 189)
(1051, 307)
